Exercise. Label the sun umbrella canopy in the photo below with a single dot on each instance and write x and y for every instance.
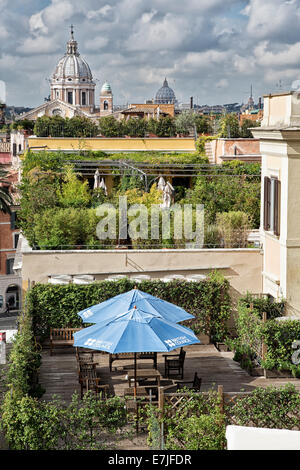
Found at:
(135, 331)
(124, 302)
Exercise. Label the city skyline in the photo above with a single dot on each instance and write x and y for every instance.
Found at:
(211, 50)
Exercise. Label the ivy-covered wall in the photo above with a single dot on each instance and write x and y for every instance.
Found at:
(57, 306)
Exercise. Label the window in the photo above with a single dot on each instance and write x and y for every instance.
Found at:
(14, 221)
(9, 266)
(13, 297)
(70, 97)
(14, 149)
(272, 205)
(16, 239)
(83, 98)
(105, 105)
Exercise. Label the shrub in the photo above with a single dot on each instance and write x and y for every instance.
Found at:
(279, 337)
(271, 407)
(232, 186)
(85, 424)
(73, 191)
(263, 304)
(25, 360)
(111, 127)
(57, 126)
(197, 424)
(233, 228)
(67, 228)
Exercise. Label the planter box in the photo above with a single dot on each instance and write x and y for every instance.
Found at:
(257, 372)
(279, 374)
(204, 339)
(222, 347)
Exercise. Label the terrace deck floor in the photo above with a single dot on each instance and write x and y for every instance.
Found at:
(59, 376)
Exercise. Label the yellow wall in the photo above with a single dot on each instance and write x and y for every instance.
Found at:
(115, 145)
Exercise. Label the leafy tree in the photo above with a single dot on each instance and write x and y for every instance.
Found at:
(38, 193)
(229, 126)
(73, 192)
(24, 124)
(109, 126)
(42, 126)
(5, 198)
(203, 124)
(57, 126)
(245, 131)
(66, 227)
(184, 122)
(152, 125)
(232, 186)
(166, 127)
(79, 126)
(135, 127)
(233, 227)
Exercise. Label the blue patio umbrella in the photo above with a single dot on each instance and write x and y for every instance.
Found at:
(135, 331)
(124, 302)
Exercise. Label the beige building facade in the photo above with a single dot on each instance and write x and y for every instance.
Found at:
(280, 204)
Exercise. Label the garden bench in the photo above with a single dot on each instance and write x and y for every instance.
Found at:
(126, 356)
(61, 337)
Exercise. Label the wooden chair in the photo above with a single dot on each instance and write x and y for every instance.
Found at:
(85, 370)
(93, 384)
(194, 385)
(174, 362)
(84, 356)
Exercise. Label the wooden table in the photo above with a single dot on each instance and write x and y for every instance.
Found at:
(144, 374)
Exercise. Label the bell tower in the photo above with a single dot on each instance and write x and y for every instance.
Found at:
(106, 100)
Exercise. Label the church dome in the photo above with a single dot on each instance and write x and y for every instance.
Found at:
(72, 65)
(106, 89)
(165, 94)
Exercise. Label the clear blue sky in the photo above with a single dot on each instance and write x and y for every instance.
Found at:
(210, 49)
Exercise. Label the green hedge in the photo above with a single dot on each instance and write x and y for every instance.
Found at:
(199, 424)
(24, 361)
(57, 306)
(87, 424)
(279, 337)
(264, 304)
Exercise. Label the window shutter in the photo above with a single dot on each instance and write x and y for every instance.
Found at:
(277, 188)
(267, 202)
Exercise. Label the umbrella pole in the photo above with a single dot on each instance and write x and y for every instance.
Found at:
(135, 375)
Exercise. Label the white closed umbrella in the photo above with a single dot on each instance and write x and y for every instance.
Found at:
(96, 179)
(168, 194)
(161, 184)
(103, 186)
